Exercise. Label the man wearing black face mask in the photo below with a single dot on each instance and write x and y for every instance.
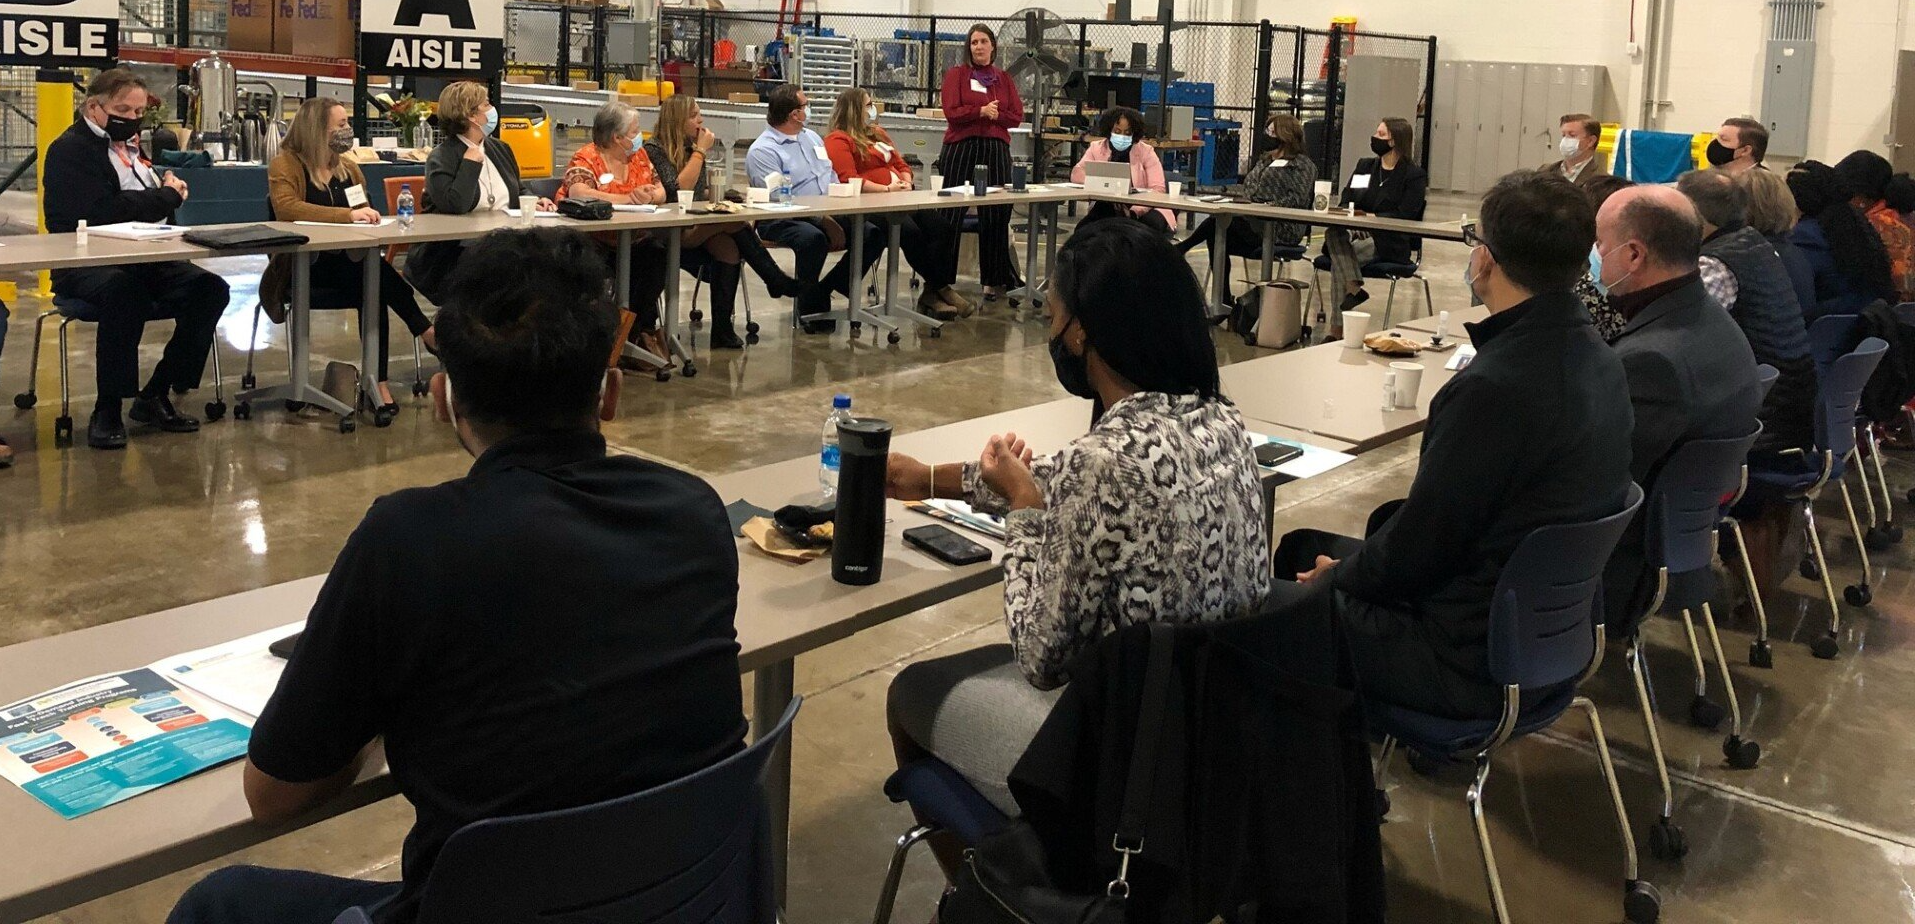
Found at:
(96, 173)
(1739, 146)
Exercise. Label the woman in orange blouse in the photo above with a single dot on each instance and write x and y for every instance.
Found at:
(859, 147)
(614, 168)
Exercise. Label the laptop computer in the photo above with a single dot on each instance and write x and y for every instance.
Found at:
(1107, 177)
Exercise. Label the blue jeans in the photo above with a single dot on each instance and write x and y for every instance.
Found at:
(257, 895)
(808, 241)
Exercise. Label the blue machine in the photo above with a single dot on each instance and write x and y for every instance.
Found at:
(1201, 97)
(1218, 160)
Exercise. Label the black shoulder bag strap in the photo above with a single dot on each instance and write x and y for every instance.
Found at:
(1129, 839)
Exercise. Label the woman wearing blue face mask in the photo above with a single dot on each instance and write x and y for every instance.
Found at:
(861, 149)
(1123, 130)
(469, 171)
(1595, 297)
(615, 168)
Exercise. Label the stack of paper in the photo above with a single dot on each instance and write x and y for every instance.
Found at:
(139, 231)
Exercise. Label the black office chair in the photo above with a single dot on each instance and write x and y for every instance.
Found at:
(693, 851)
(1379, 269)
(544, 187)
(69, 310)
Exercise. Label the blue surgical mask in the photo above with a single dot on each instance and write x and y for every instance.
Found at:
(1595, 272)
(492, 121)
(871, 113)
(638, 142)
(1120, 142)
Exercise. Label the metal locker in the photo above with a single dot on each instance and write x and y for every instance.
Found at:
(1586, 87)
(1442, 141)
(1539, 121)
(1468, 103)
(1558, 104)
(1488, 127)
(1509, 144)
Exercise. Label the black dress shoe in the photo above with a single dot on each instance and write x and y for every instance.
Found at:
(724, 338)
(106, 431)
(159, 412)
(819, 327)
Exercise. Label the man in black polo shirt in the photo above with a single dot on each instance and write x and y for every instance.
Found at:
(552, 630)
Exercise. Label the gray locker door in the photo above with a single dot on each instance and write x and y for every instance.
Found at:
(1539, 121)
(1586, 88)
(1509, 146)
(1467, 106)
(1489, 127)
(1443, 128)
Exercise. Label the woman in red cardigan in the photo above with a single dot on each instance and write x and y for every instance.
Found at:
(981, 106)
(859, 147)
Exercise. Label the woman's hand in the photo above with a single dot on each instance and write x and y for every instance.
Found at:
(547, 205)
(366, 215)
(907, 479)
(654, 194)
(475, 153)
(989, 110)
(1005, 467)
(705, 141)
(1324, 564)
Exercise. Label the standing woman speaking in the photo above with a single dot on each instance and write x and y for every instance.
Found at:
(981, 106)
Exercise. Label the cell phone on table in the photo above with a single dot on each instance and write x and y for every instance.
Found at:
(283, 649)
(1271, 455)
(946, 546)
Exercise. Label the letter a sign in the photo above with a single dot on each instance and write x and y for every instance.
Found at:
(60, 33)
(435, 37)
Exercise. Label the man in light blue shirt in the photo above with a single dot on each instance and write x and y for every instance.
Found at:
(788, 147)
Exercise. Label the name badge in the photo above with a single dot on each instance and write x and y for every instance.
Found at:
(356, 196)
(884, 150)
(605, 179)
(977, 86)
(1360, 181)
(823, 154)
(1280, 162)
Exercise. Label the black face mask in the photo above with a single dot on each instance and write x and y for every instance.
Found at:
(1718, 154)
(121, 128)
(1072, 372)
(1379, 146)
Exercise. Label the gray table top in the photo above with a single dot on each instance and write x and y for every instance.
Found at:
(1332, 391)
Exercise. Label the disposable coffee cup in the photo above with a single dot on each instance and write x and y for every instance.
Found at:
(936, 183)
(1175, 187)
(686, 197)
(857, 185)
(756, 194)
(1409, 380)
(1320, 198)
(1356, 325)
(528, 210)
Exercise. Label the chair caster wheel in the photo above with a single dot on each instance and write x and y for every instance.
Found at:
(1641, 903)
(1809, 570)
(934, 333)
(294, 407)
(248, 382)
(383, 417)
(1760, 655)
(663, 375)
(751, 327)
(347, 424)
(893, 338)
(1667, 842)
(243, 411)
(1824, 647)
(1877, 539)
(689, 370)
(25, 401)
(1858, 595)
(420, 389)
(1705, 712)
(856, 327)
(1382, 806)
(1894, 532)
(63, 431)
(215, 410)
(1742, 755)
(752, 337)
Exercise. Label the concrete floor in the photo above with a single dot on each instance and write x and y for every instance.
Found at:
(1823, 830)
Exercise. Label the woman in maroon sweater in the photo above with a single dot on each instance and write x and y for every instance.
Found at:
(981, 106)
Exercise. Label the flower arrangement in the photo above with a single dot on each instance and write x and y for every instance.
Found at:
(408, 113)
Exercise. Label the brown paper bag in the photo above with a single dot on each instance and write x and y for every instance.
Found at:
(771, 540)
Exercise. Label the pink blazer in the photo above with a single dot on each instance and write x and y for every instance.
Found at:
(1146, 172)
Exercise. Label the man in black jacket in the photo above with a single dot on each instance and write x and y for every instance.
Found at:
(96, 173)
(1534, 432)
(1691, 376)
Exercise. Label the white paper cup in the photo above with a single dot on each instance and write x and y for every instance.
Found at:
(1409, 379)
(1320, 198)
(1356, 324)
(755, 194)
(936, 183)
(686, 197)
(1176, 187)
(528, 210)
(857, 185)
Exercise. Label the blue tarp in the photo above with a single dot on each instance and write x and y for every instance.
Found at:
(1653, 157)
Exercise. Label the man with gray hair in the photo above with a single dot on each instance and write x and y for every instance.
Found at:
(1691, 375)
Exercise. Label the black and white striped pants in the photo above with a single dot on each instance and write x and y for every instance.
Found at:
(996, 264)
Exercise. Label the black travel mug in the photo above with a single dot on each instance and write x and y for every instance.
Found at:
(857, 542)
(980, 179)
(1019, 175)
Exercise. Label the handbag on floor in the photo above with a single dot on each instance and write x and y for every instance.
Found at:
(1270, 315)
(1005, 879)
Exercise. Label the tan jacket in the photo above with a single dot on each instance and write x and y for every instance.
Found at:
(1591, 170)
(286, 191)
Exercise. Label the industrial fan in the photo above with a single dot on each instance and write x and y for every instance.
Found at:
(1036, 47)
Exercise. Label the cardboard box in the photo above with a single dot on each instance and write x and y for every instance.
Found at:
(520, 79)
(640, 100)
(317, 28)
(249, 25)
(588, 86)
(743, 98)
(930, 113)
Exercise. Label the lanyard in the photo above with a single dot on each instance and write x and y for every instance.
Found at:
(130, 163)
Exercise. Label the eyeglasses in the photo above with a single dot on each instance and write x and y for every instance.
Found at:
(1472, 237)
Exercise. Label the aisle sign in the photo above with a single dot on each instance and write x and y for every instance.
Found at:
(438, 37)
(60, 33)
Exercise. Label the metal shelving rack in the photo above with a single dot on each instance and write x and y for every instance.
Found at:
(825, 66)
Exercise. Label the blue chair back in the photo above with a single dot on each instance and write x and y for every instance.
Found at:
(1685, 504)
(1548, 599)
(696, 851)
(1831, 337)
(1839, 394)
(1765, 376)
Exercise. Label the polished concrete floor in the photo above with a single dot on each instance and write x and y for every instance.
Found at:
(1823, 830)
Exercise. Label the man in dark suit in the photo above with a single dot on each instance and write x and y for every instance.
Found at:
(1690, 376)
(1535, 432)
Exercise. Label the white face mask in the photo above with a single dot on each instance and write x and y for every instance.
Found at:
(1569, 147)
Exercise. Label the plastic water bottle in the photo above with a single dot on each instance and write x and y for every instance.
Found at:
(783, 196)
(404, 209)
(828, 455)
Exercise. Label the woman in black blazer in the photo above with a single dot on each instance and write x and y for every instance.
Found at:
(469, 171)
(1389, 185)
